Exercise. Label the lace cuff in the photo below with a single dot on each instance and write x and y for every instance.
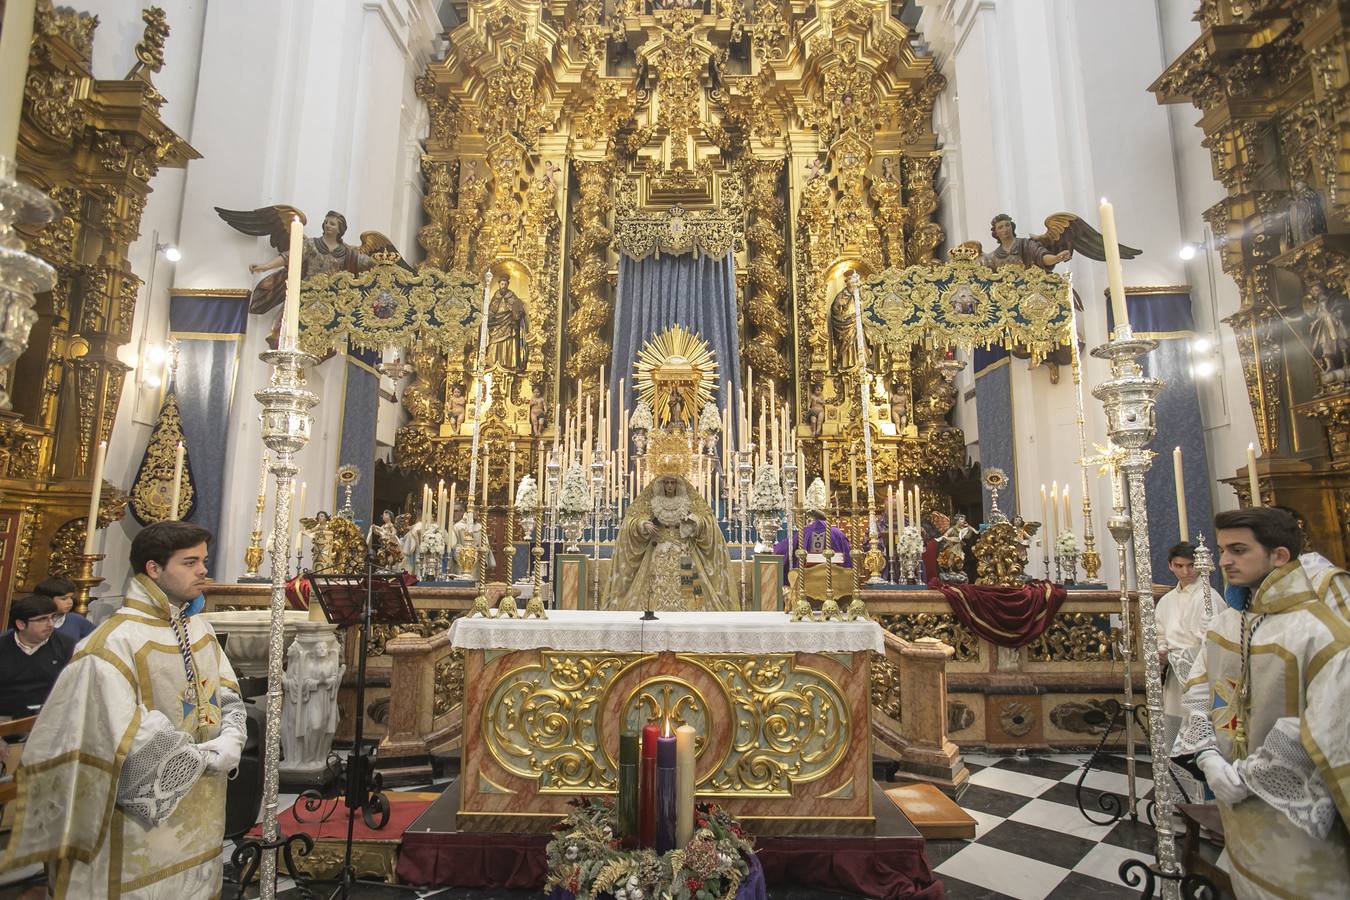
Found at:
(1282, 773)
(159, 771)
(233, 714)
(1181, 661)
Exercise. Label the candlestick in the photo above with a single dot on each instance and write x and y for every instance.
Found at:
(684, 784)
(286, 423)
(1054, 506)
(1114, 276)
(290, 318)
(1182, 524)
(1045, 531)
(253, 554)
(1253, 480)
(177, 482)
(95, 494)
(647, 788)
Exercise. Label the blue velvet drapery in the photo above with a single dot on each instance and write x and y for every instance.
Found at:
(1166, 318)
(209, 331)
(994, 419)
(694, 291)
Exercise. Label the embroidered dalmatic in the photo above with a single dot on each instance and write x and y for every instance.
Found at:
(1269, 691)
(113, 792)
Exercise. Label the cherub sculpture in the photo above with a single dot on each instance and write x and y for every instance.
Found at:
(325, 253)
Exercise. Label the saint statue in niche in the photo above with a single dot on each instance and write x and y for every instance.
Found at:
(506, 330)
(1306, 218)
(844, 325)
(1329, 329)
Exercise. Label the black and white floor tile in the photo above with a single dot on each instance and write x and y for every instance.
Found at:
(1032, 842)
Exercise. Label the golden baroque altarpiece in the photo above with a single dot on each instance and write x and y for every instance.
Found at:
(797, 137)
(92, 145)
(1271, 79)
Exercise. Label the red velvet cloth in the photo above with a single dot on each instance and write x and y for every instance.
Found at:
(1006, 616)
(883, 868)
(463, 859)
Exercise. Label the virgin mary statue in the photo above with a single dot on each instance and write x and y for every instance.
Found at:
(670, 554)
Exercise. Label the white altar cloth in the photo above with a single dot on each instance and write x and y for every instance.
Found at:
(680, 632)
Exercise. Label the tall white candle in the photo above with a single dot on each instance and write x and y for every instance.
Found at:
(1115, 278)
(1068, 518)
(95, 494)
(1045, 516)
(1253, 480)
(300, 507)
(450, 507)
(14, 42)
(1054, 505)
(900, 495)
(1183, 525)
(290, 319)
(177, 492)
(684, 784)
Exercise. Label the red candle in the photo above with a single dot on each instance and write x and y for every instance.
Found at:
(647, 787)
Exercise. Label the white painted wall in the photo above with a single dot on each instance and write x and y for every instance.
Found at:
(307, 102)
(1048, 110)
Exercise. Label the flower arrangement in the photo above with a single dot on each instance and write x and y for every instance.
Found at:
(642, 417)
(575, 497)
(709, 420)
(527, 496)
(433, 540)
(910, 542)
(1066, 544)
(767, 495)
(587, 858)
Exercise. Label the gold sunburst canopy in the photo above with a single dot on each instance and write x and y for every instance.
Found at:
(676, 364)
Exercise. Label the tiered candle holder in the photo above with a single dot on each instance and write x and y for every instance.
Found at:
(286, 423)
(1129, 399)
(86, 581)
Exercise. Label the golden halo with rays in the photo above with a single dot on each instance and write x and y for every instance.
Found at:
(676, 360)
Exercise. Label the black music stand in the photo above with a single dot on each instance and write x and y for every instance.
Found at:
(362, 600)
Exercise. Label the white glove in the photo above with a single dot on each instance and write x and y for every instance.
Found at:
(1223, 778)
(222, 753)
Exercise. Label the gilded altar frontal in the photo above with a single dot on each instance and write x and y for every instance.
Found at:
(674, 449)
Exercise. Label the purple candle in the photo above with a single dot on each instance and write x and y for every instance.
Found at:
(665, 793)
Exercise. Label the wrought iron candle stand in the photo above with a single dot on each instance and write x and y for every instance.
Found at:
(286, 423)
(1129, 399)
(22, 275)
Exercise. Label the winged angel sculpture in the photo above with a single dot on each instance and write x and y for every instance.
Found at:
(1065, 234)
(322, 254)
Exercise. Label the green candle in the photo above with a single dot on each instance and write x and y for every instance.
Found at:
(628, 784)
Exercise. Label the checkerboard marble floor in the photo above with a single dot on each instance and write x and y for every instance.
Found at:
(1031, 842)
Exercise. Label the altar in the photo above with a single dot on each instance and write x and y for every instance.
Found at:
(782, 712)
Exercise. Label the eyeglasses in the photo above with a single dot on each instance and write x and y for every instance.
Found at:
(49, 617)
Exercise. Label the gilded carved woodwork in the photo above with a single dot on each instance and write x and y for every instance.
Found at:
(93, 145)
(667, 130)
(546, 721)
(1271, 80)
(940, 626)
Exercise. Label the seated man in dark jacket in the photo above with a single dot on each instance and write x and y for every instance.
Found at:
(31, 656)
(71, 624)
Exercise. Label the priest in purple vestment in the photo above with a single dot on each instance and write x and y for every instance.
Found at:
(815, 536)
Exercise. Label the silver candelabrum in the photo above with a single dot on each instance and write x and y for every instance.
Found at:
(1129, 399)
(286, 422)
(22, 275)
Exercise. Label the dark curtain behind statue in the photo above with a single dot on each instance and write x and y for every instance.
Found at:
(209, 332)
(1167, 319)
(660, 291)
(994, 419)
(360, 415)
